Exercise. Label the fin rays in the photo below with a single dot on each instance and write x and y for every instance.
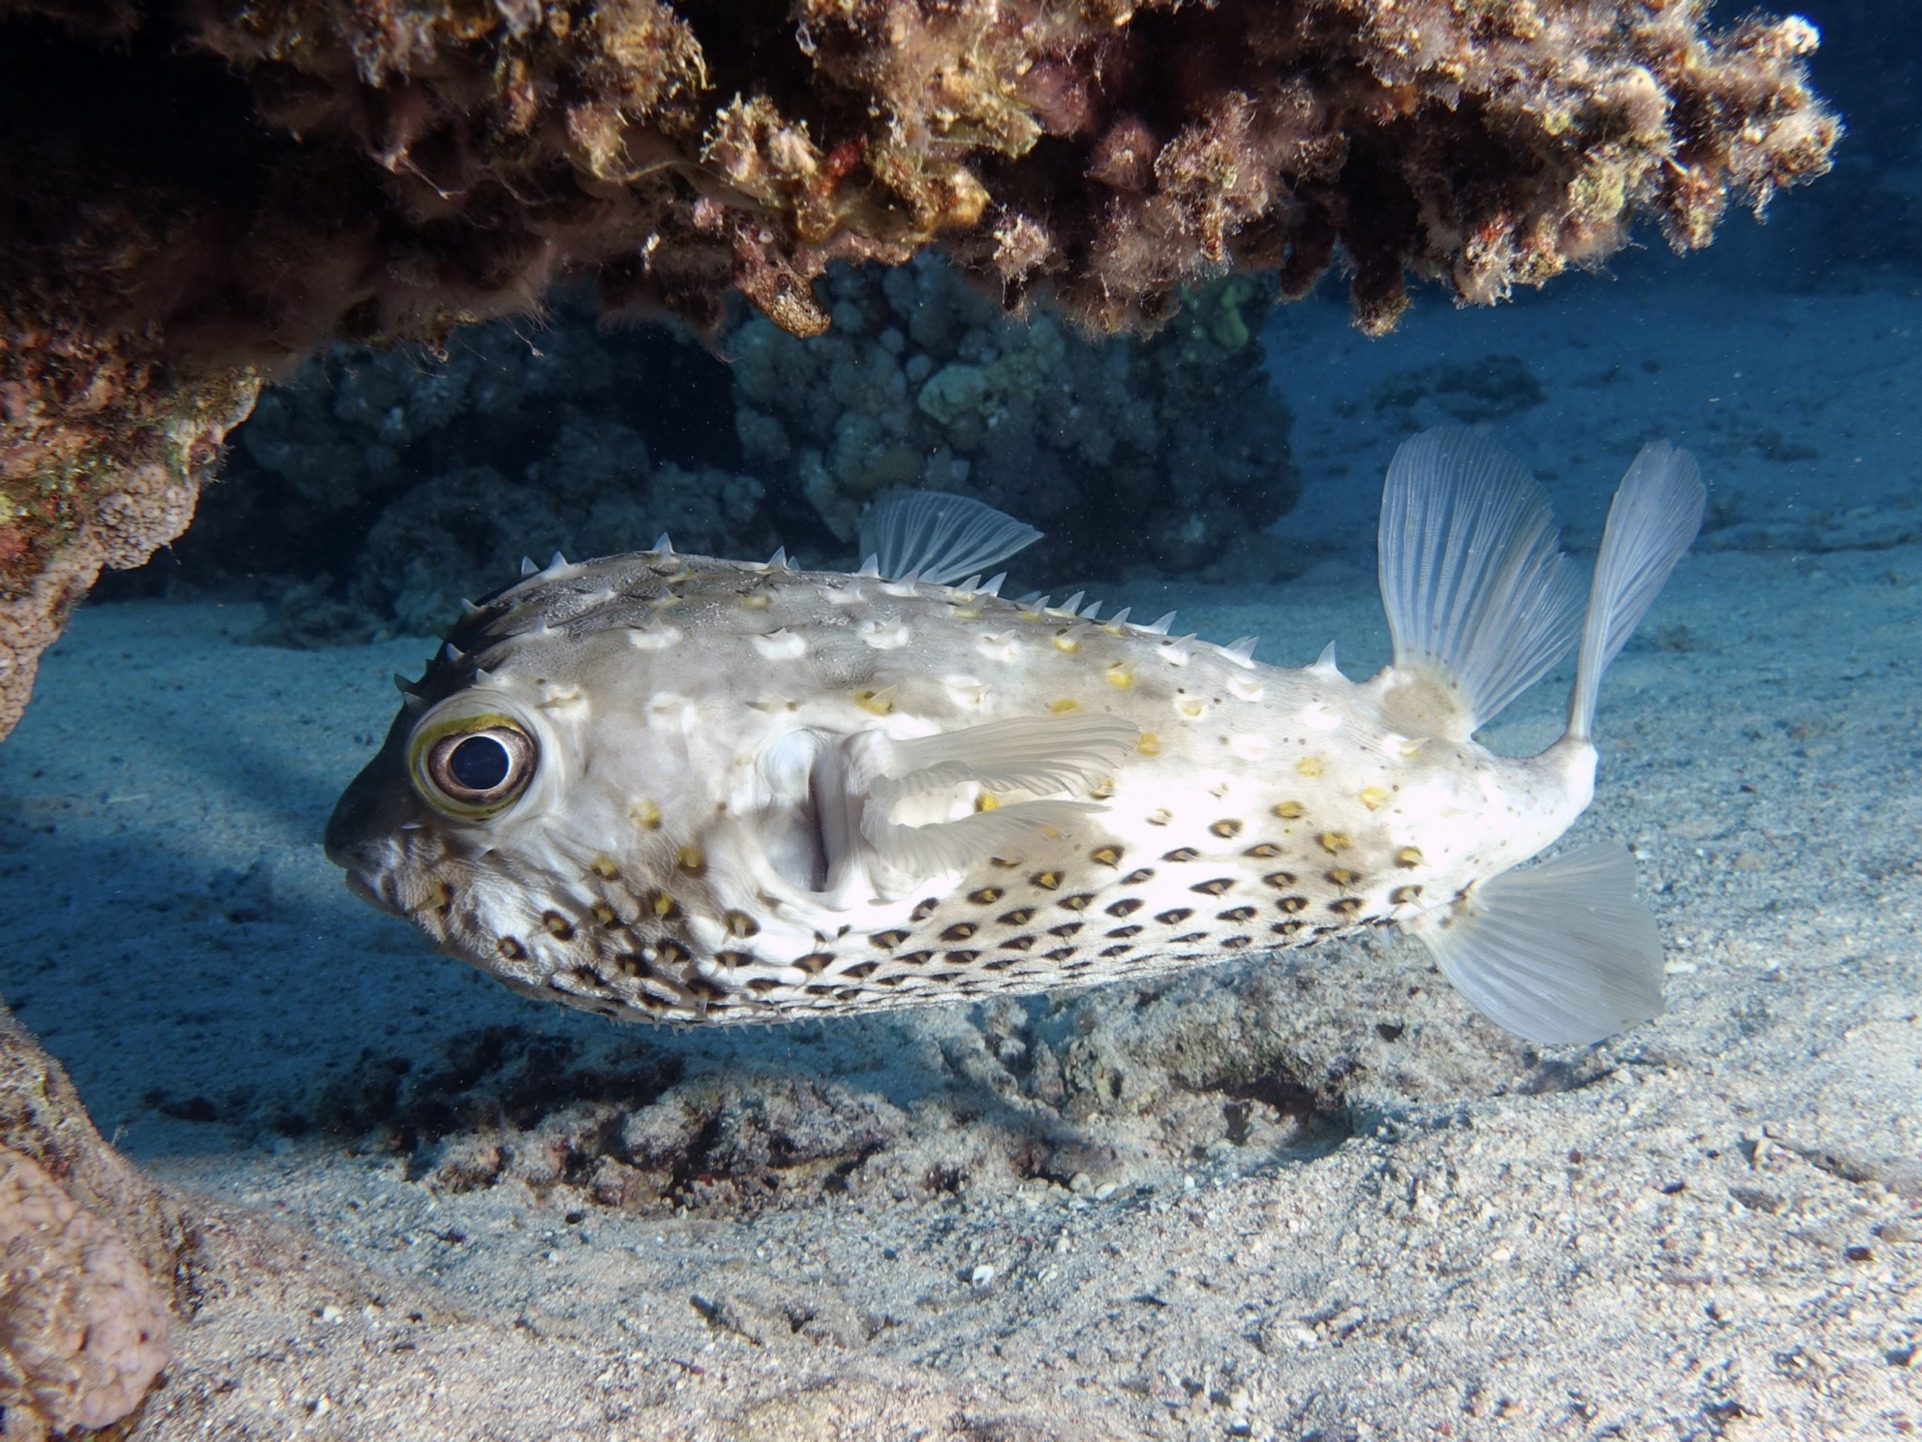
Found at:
(1480, 600)
(939, 537)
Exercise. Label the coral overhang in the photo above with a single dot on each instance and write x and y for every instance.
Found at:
(197, 194)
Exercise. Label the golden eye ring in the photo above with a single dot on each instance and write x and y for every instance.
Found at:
(472, 766)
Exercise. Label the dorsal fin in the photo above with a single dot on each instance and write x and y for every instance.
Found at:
(1480, 601)
(940, 536)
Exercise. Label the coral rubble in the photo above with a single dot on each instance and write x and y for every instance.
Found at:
(199, 193)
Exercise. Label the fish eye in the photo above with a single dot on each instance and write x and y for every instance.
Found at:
(470, 766)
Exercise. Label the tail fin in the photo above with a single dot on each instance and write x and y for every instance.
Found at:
(1480, 601)
(1656, 512)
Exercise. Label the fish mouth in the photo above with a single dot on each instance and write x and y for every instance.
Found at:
(358, 883)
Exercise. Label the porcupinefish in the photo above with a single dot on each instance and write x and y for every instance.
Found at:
(678, 788)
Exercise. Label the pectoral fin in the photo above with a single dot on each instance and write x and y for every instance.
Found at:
(1037, 754)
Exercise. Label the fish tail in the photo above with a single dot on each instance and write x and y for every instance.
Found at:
(1656, 512)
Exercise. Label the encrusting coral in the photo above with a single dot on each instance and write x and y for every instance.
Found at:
(88, 1257)
(200, 192)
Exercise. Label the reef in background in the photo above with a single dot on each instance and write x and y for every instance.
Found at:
(197, 195)
(380, 488)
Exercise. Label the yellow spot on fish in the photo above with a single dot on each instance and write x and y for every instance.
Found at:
(689, 858)
(1409, 856)
(603, 913)
(1107, 855)
(1226, 829)
(645, 814)
(1065, 643)
(1373, 797)
(1062, 705)
(987, 801)
(879, 703)
(968, 610)
(1193, 707)
(1334, 842)
(603, 867)
(757, 600)
(1120, 676)
(1308, 766)
(663, 906)
(557, 924)
(1290, 810)
(739, 923)
(1148, 744)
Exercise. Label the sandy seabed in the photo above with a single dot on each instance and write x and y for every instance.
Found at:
(1307, 1196)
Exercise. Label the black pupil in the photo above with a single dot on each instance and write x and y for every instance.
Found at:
(480, 763)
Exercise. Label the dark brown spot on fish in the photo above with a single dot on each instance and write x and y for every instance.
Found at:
(1226, 830)
(1078, 902)
(925, 908)
(668, 953)
(960, 958)
(1236, 914)
(1236, 943)
(1106, 855)
(1347, 908)
(1018, 943)
(557, 925)
(1066, 929)
(1279, 879)
(1138, 878)
(664, 907)
(734, 958)
(1020, 916)
(762, 985)
(1285, 928)
(1174, 917)
(1001, 963)
(1047, 880)
(1402, 895)
(887, 940)
(1122, 949)
(815, 962)
(914, 958)
(1121, 931)
(1062, 953)
(1190, 938)
(1181, 853)
(1292, 904)
(739, 923)
(1220, 886)
(960, 931)
(986, 896)
(1341, 876)
(1127, 907)
(1264, 852)
(511, 948)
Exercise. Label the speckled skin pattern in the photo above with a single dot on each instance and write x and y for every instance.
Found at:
(701, 728)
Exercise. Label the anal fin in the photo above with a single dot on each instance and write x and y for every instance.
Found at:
(1558, 953)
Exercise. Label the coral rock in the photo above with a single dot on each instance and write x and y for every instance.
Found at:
(200, 195)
